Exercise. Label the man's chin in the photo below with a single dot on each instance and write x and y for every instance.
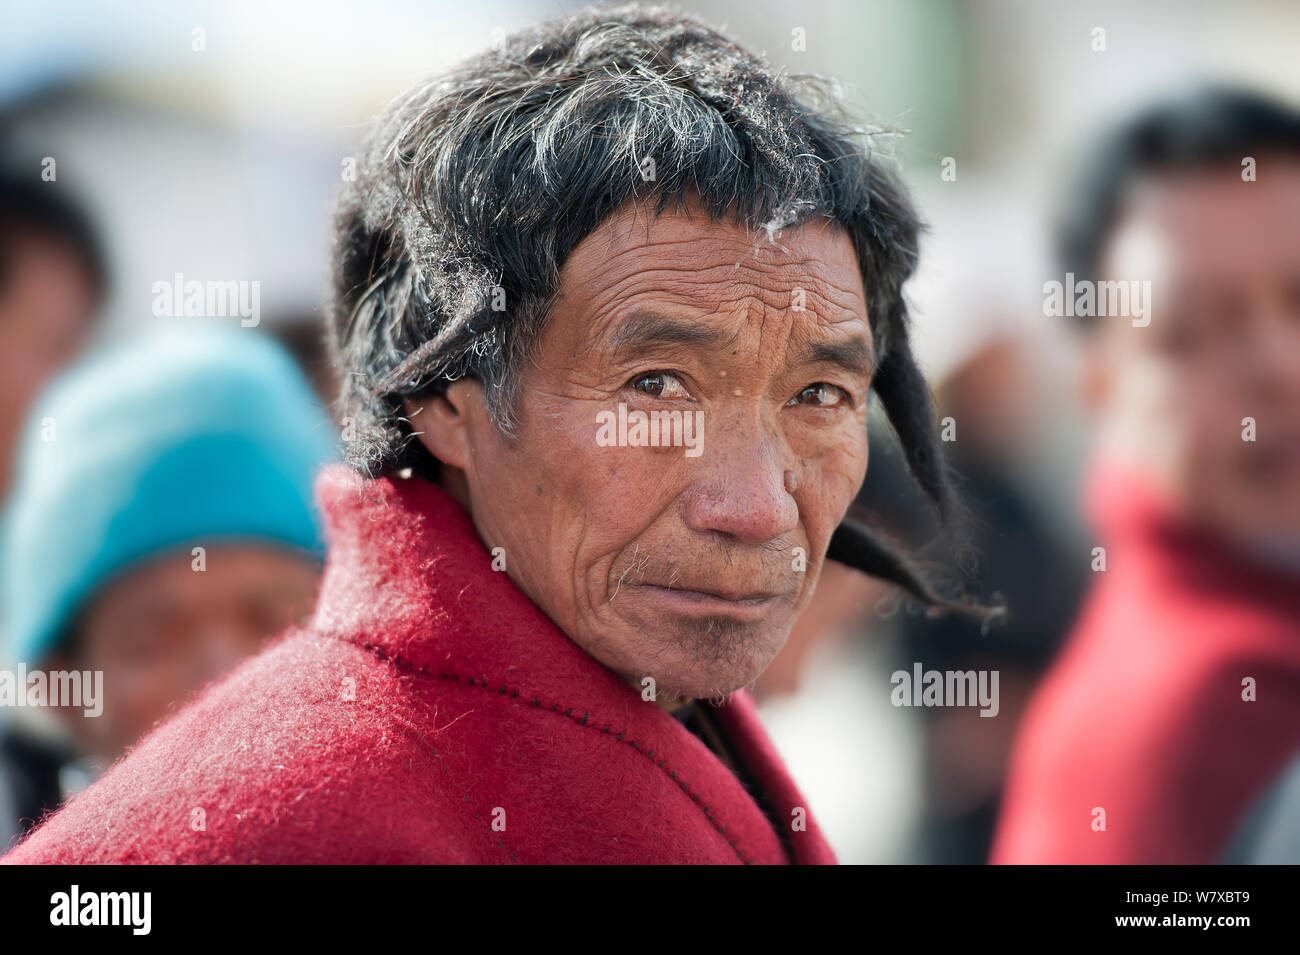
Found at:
(711, 673)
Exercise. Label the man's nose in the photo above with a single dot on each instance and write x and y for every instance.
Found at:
(743, 490)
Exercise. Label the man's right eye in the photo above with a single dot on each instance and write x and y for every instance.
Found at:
(659, 384)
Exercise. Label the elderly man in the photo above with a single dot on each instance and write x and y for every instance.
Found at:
(608, 306)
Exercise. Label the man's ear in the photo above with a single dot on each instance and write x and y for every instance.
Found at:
(441, 422)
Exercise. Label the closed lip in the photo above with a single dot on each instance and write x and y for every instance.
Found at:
(704, 595)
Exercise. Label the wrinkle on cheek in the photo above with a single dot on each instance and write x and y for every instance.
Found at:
(591, 536)
(619, 475)
(842, 453)
(591, 385)
(584, 483)
(568, 410)
(828, 488)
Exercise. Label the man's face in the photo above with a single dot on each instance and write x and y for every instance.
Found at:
(1223, 345)
(686, 568)
(163, 630)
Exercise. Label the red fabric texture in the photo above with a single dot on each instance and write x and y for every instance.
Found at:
(1143, 715)
(430, 713)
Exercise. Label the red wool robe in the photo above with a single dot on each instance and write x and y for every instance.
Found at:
(1143, 715)
(430, 713)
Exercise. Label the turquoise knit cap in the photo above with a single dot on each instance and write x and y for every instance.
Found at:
(174, 440)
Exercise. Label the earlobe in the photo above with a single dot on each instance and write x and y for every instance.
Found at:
(440, 423)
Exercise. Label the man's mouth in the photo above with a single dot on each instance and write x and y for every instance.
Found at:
(713, 600)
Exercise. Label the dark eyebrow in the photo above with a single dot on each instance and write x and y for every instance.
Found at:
(644, 329)
(855, 355)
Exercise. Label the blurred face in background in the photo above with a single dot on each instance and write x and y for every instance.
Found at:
(47, 299)
(163, 630)
(1223, 344)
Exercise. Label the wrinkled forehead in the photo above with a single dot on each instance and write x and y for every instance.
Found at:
(681, 256)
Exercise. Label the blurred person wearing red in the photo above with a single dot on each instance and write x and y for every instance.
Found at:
(1176, 702)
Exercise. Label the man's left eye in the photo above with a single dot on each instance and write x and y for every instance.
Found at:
(821, 395)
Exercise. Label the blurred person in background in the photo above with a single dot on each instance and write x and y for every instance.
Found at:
(52, 283)
(160, 530)
(1176, 703)
(1024, 564)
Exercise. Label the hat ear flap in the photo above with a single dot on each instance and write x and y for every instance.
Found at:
(905, 396)
(856, 546)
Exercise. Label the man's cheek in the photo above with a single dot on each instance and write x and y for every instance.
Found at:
(833, 486)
